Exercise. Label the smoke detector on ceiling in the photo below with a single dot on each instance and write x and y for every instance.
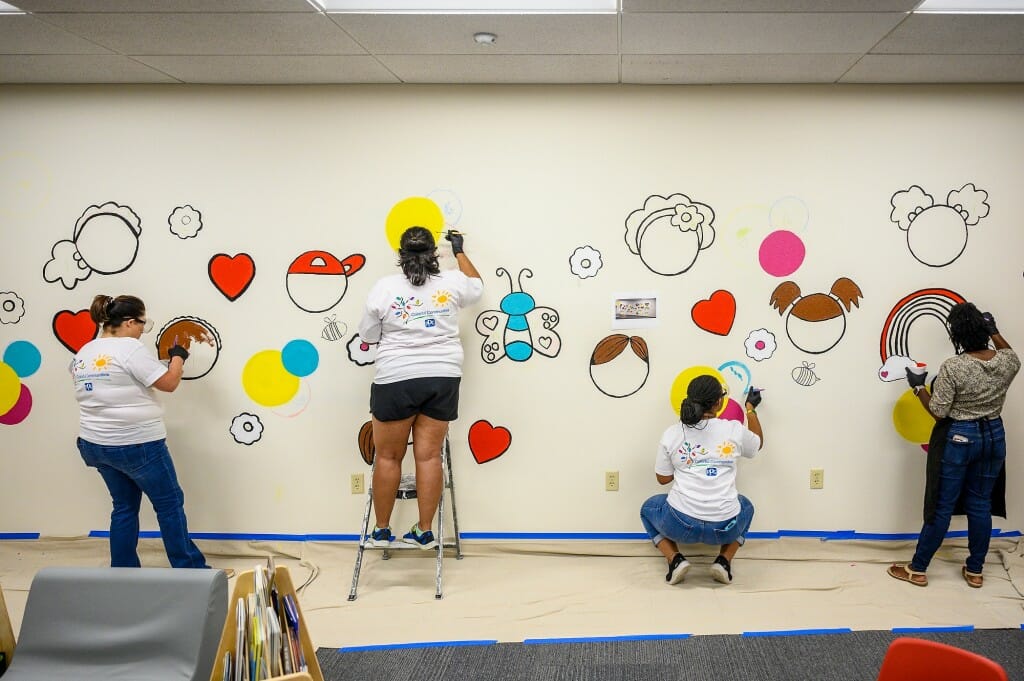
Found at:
(485, 38)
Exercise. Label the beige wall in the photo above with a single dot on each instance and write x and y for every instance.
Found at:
(539, 171)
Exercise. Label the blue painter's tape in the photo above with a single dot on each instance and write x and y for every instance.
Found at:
(555, 535)
(422, 644)
(603, 639)
(19, 535)
(922, 630)
(798, 632)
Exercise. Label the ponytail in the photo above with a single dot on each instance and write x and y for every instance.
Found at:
(417, 255)
(701, 395)
(112, 312)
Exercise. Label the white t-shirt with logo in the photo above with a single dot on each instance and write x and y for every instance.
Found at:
(417, 327)
(702, 459)
(117, 405)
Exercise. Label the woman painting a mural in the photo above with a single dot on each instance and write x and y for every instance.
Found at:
(967, 449)
(413, 317)
(699, 456)
(122, 432)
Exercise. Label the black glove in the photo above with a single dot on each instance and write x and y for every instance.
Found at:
(456, 240)
(177, 351)
(753, 397)
(990, 324)
(916, 380)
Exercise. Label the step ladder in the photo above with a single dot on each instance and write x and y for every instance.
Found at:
(407, 490)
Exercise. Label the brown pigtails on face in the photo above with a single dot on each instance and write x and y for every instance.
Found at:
(784, 295)
(609, 348)
(847, 292)
(639, 346)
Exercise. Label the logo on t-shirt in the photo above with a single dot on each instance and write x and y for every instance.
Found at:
(88, 387)
(429, 322)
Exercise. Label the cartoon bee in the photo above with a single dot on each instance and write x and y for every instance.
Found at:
(519, 328)
(333, 330)
(804, 375)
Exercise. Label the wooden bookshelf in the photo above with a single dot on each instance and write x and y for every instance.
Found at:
(244, 585)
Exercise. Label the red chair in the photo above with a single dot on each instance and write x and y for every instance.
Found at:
(915, 659)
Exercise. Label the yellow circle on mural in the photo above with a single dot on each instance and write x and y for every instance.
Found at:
(912, 420)
(678, 392)
(416, 211)
(266, 381)
(10, 388)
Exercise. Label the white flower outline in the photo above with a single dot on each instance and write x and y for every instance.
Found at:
(243, 435)
(16, 307)
(185, 222)
(766, 338)
(587, 254)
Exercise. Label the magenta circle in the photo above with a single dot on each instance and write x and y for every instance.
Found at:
(781, 253)
(20, 410)
(733, 411)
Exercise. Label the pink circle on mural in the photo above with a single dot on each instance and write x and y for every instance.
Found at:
(781, 253)
(732, 412)
(20, 410)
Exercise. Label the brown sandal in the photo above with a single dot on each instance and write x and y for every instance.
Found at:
(973, 579)
(902, 572)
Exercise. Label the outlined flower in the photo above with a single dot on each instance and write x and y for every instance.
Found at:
(760, 344)
(360, 352)
(185, 222)
(12, 307)
(687, 217)
(246, 428)
(585, 262)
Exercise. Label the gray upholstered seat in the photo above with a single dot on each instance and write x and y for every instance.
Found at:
(135, 624)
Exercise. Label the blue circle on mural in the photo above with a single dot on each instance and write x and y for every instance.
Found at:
(23, 357)
(300, 358)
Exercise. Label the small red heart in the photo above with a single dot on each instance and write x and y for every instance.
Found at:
(716, 314)
(487, 442)
(232, 274)
(74, 329)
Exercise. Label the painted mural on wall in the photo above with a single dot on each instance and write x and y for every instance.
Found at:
(760, 345)
(74, 329)
(360, 352)
(894, 345)
(21, 359)
(804, 375)
(105, 240)
(937, 232)
(317, 281)
(520, 327)
(246, 428)
(716, 313)
(815, 323)
(616, 371)
(487, 442)
(231, 274)
(417, 211)
(669, 232)
(185, 222)
(12, 307)
(275, 378)
(333, 329)
(195, 335)
(585, 262)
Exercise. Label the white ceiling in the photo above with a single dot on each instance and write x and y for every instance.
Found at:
(647, 41)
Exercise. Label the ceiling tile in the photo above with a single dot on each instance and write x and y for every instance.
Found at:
(956, 34)
(24, 34)
(196, 34)
(499, 68)
(735, 68)
(66, 68)
(921, 68)
(769, 5)
(282, 69)
(165, 6)
(753, 33)
(453, 33)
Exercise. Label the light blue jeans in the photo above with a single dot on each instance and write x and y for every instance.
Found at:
(664, 522)
(974, 455)
(129, 471)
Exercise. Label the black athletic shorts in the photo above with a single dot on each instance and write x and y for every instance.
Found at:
(436, 397)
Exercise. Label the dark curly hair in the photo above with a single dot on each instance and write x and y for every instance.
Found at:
(417, 255)
(112, 312)
(702, 394)
(967, 328)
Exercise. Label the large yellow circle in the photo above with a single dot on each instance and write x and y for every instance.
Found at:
(10, 387)
(415, 211)
(678, 392)
(912, 420)
(266, 381)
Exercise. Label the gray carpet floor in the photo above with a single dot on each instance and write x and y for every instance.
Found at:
(854, 656)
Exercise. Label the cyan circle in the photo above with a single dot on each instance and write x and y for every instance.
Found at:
(23, 357)
(300, 358)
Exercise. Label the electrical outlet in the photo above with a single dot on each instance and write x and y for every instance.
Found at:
(358, 483)
(817, 478)
(611, 481)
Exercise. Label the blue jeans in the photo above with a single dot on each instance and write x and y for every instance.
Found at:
(974, 455)
(662, 521)
(130, 471)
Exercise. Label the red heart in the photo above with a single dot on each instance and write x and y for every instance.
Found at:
(716, 314)
(487, 442)
(232, 274)
(74, 329)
